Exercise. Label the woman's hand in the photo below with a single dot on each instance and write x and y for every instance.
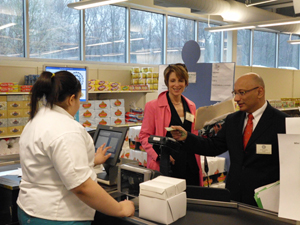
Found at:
(179, 133)
(127, 208)
(100, 156)
(172, 160)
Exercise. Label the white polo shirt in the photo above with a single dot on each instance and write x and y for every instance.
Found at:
(56, 155)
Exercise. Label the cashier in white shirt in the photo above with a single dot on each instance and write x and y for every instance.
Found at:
(57, 158)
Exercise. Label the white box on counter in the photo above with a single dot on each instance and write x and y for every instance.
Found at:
(157, 189)
(164, 211)
(180, 184)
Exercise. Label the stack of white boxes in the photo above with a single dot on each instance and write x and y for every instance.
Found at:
(163, 199)
(104, 112)
(117, 111)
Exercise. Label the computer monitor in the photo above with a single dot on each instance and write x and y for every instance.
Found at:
(79, 72)
(114, 137)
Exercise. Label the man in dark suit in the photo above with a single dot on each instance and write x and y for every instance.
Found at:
(257, 163)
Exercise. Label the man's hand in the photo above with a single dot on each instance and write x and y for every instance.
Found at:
(179, 133)
(100, 156)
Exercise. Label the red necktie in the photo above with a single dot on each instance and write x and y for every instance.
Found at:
(248, 130)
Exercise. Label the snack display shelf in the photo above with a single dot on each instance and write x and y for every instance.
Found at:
(111, 92)
(14, 93)
(10, 136)
(287, 109)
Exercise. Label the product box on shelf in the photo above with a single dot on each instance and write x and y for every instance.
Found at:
(117, 120)
(3, 122)
(103, 121)
(117, 111)
(87, 122)
(3, 105)
(3, 98)
(87, 105)
(3, 114)
(13, 113)
(102, 104)
(12, 122)
(14, 130)
(87, 113)
(15, 105)
(117, 103)
(12, 98)
(102, 113)
(26, 112)
(3, 131)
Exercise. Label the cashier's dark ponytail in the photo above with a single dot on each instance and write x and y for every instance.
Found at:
(54, 88)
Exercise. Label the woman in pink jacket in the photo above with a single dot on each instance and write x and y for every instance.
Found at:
(172, 108)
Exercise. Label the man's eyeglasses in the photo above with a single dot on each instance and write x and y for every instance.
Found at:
(242, 93)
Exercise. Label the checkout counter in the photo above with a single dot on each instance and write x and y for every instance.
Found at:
(199, 211)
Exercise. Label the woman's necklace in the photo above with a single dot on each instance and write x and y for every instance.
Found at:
(177, 103)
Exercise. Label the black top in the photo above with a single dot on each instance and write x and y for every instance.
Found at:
(186, 166)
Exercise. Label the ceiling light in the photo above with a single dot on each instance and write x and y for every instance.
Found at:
(258, 3)
(229, 28)
(269, 23)
(92, 3)
(294, 42)
(7, 25)
(273, 23)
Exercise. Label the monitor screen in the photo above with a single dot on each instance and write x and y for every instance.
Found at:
(111, 136)
(79, 72)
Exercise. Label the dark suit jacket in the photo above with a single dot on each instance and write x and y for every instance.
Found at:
(248, 170)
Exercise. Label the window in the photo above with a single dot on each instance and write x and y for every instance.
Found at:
(146, 37)
(210, 44)
(288, 54)
(11, 28)
(54, 30)
(179, 31)
(243, 47)
(264, 49)
(105, 34)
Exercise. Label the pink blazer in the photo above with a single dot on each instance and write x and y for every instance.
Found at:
(157, 116)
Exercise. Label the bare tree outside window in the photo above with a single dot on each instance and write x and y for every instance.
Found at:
(146, 37)
(105, 34)
(288, 53)
(11, 28)
(264, 49)
(179, 32)
(54, 30)
(210, 44)
(243, 47)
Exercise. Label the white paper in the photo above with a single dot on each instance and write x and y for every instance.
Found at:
(292, 125)
(270, 197)
(192, 77)
(221, 81)
(289, 157)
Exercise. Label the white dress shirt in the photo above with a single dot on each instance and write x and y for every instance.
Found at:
(56, 155)
(256, 116)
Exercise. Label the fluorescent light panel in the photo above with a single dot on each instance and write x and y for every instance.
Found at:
(92, 3)
(294, 42)
(258, 3)
(270, 23)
